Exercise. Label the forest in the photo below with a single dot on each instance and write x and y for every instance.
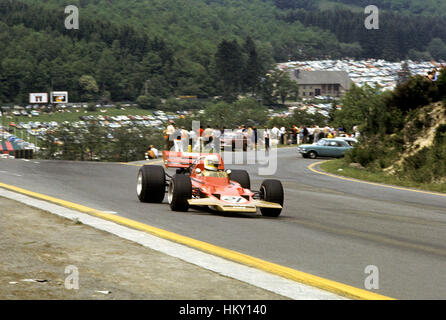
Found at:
(125, 50)
(421, 7)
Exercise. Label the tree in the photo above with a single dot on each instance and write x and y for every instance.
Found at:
(404, 74)
(148, 102)
(418, 55)
(91, 107)
(284, 86)
(364, 106)
(437, 49)
(229, 68)
(253, 68)
(441, 83)
(89, 88)
(267, 91)
(418, 91)
(230, 115)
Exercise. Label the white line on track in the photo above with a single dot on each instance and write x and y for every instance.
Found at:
(11, 174)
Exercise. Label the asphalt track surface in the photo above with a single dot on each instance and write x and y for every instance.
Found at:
(329, 227)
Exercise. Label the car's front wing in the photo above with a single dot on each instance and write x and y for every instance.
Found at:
(232, 207)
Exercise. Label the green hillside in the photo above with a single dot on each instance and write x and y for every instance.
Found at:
(202, 24)
(166, 48)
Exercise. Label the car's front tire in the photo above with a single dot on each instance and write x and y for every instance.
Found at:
(180, 190)
(272, 191)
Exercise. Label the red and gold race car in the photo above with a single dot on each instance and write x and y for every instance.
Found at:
(202, 181)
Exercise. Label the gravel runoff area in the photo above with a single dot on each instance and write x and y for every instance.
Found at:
(38, 248)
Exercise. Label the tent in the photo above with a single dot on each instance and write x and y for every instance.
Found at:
(15, 149)
(7, 147)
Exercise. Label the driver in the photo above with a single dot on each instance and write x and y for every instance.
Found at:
(211, 164)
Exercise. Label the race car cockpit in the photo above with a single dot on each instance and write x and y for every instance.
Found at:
(211, 168)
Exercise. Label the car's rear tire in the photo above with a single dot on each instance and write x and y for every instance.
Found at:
(151, 184)
(242, 177)
(312, 154)
(271, 191)
(180, 190)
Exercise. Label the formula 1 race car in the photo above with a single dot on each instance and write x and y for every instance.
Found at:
(201, 180)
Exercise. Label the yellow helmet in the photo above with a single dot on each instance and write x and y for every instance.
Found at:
(211, 163)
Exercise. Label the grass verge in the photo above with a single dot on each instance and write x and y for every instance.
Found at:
(340, 167)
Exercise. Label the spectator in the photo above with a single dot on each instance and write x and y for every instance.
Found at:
(275, 133)
(152, 153)
(300, 139)
(177, 140)
(168, 135)
(216, 146)
(305, 134)
(155, 151)
(317, 134)
(207, 135)
(433, 75)
(249, 137)
(198, 147)
(255, 137)
(310, 135)
(184, 139)
(194, 141)
(295, 134)
(200, 131)
(325, 133)
(282, 135)
(266, 137)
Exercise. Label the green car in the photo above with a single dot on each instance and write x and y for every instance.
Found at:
(335, 148)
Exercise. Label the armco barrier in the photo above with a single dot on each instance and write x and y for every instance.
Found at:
(23, 154)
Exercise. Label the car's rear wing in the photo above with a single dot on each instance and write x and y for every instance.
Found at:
(185, 159)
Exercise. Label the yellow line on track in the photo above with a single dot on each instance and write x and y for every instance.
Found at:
(286, 272)
(311, 167)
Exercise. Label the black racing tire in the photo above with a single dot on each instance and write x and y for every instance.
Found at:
(242, 177)
(271, 191)
(151, 184)
(312, 154)
(180, 190)
(305, 156)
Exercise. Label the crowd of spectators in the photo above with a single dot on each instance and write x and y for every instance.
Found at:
(180, 139)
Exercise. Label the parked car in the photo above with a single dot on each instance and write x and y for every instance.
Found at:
(350, 141)
(325, 148)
